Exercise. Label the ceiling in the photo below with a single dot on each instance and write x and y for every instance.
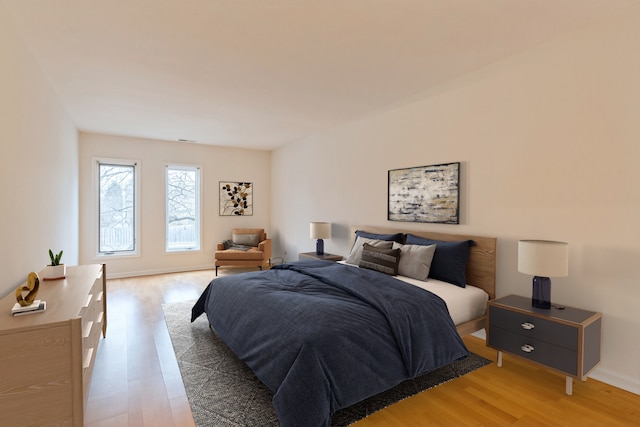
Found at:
(263, 73)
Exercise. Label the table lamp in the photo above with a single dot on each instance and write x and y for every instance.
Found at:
(320, 230)
(543, 259)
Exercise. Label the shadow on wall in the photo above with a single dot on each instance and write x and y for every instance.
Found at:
(604, 263)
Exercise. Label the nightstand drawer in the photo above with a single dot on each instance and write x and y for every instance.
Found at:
(534, 327)
(534, 349)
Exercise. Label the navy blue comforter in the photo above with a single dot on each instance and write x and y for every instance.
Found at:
(323, 336)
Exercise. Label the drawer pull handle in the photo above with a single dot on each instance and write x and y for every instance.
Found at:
(528, 326)
(527, 348)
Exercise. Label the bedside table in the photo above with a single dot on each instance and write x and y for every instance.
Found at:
(326, 257)
(567, 340)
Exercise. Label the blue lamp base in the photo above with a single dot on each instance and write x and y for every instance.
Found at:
(320, 247)
(541, 297)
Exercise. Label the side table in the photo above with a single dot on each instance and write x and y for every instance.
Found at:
(565, 339)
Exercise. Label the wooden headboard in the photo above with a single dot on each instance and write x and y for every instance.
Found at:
(481, 268)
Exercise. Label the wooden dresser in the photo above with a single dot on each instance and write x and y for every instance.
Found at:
(46, 359)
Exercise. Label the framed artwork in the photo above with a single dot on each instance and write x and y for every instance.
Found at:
(425, 194)
(236, 198)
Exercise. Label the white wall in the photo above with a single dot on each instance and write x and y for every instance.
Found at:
(548, 141)
(218, 164)
(38, 166)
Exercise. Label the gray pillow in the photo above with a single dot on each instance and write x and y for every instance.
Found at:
(356, 252)
(415, 260)
(246, 239)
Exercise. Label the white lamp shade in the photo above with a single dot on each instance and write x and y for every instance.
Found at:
(543, 258)
(320, 230)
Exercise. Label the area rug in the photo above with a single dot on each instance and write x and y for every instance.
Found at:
(224, 392)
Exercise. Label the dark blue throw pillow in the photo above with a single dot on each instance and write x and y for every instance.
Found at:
(397, 237)
(449, 261)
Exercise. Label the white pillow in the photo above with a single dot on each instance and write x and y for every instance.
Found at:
(356, 252)
(415, 260)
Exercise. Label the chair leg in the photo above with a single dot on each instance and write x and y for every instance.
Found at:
(260, 267)
(216, 270)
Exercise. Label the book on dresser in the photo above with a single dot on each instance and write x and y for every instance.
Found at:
(38, 306)
(46, 357)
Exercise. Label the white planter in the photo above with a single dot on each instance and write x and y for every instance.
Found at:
(54, 272)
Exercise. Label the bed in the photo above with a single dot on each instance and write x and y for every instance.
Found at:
(323, 335)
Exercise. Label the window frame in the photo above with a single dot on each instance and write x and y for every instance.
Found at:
(198, 208)
(97, 161)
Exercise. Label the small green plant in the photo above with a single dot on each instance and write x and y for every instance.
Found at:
(55, 259)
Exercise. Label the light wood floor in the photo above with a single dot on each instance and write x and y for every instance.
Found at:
(136, 381)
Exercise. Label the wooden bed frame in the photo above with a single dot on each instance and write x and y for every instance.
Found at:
(481, 269)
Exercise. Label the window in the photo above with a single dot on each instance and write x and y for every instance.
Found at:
(183, 208)
(117, 207)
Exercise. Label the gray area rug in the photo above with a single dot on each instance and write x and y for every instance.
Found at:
(223, 392)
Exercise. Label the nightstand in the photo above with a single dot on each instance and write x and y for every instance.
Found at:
(326, 257)
(565, 340)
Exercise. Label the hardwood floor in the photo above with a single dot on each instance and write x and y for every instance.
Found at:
(136, 381)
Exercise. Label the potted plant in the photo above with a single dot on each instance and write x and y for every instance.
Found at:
(55, 270)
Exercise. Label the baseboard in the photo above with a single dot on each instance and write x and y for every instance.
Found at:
(157, 271)
(480, 334)
(615, 380)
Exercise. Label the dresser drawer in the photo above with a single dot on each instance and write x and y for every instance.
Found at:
(533, 327)
(92, 314)
(534, 349)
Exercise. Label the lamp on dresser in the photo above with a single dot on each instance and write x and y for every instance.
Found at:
(319, 231)
(543, 259)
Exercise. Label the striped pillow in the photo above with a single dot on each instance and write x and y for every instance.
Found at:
(380, 259)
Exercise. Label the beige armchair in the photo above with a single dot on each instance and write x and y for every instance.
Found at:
(248, 247)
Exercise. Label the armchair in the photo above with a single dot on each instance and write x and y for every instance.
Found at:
(248, 247)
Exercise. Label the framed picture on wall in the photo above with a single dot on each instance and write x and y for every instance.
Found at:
(236, 198)
(425, 194)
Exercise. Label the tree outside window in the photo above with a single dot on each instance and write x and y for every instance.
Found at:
(117, 221)
(183, 208)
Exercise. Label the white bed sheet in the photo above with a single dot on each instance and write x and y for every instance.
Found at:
(464, 304)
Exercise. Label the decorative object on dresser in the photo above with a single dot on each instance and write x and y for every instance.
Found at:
(56, 270)
(46, 360)
(564, 339)
(543, 259)
(302, 256)
(31, 287)
(425, 194)
(236, 198)
(320, 231)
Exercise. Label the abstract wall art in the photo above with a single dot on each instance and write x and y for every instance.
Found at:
(425, 194)
(236, 198)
